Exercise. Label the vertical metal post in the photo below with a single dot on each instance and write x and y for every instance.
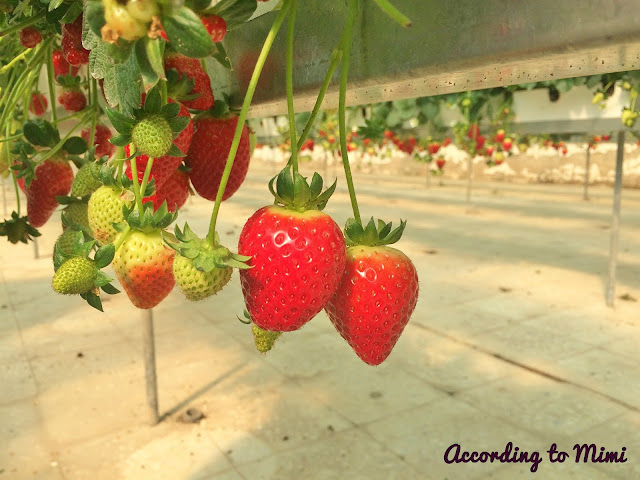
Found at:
(587, 167)
(429, 174)
(149, 350)
(469, 177)
(615, 222)
(36, 250)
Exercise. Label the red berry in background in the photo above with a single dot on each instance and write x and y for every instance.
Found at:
(53, 177)
(446, 142)
(175, 191)
(100, 140)
(433, 147)
(474, 131)
(298, 259)
(564, 151)
(60, 65)
(507, 143)
(606, 138)
(488, 150)
(208, 155)
(39, 104)
(192, 68)
(500, 134)
(30, 37)
(372, 305)
(73, 100)
(215, 26)
(479, 142)
(71, 43)
(388, 134)
(440, 163)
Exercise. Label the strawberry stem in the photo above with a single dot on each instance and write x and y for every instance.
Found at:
(346, 46)
(93, 84)
(145, 177)
(119, 165)
(136, 182)
(289, 86)
(13, 175)
(122, 237)
(52, 90)
(15, 60)
(59, 145)
(393, 12)
(20, 26)
(253, 83)
(336, 57)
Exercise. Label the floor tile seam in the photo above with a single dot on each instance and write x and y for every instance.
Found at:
(537, 371)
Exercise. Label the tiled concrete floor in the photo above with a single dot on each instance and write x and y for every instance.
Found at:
(511, 341)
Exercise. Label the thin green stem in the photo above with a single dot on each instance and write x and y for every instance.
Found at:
(253, 83)
(145, 177)
(336, 57)
(136, 184)
(26, 23)
(394, 13)
(59, 145)
(52, 89)
(13, 175)
(15, 60)
(163, 91)
(72, 116)
(342, 102)
(289, 86)
(122, 237)
(119, 165)
(94, 103)
(12, 137)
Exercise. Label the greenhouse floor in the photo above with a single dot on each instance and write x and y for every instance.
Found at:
(511, 341)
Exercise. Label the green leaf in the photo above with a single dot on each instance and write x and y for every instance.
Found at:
(175, 152)
(122, 123)
(104, 255)
(316, 185)
(74, 10)
(121, 85)
(153, 101)
(41, 133)
(284, 185)
(94, 19)
(93, 300)
(235, 12)
(187, 34)
(120, 52)
(102, 279)
(170, 110)
(120, 140)
(221, 56)
(301, 190)
(109, 289)
(75, 146)
(178, 124)
(149, 53)
(54, 4)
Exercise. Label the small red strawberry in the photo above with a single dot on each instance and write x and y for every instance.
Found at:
(500, 134)
(60, 65)
(192, 68)
(30, 37)
(507, 143)
(52, 177)
(297, 254)
(480, 142)
(440, 163)
(71, 43)
(100, 140)
(208, 155)
(144, 267)
(38, 104)
(488, 150)
(216, 26)
(72, 99)
(474, 131)
(175, 191)
(433, 148)
(377, 294)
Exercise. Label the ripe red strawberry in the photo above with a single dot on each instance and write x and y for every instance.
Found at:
(192, 68)
(446, 142)
(208, 155)
(53, 177)
(71, 43)
(474, 131)
(297, 260)
(175, 191)
(144, 267)
(216, 26)
(488, 150)
(507, 143)
(100, 140)
(61, 66)
(440, 163)
(500, 135)
(72, 99)
(433, 148)
(38, 104)
(377, 294)
(30, 37)
(480, 142)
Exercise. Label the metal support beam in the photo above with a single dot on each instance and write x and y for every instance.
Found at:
(36, 250)
(587, 167)
(469, 177)
(149, 350)
(615, 223)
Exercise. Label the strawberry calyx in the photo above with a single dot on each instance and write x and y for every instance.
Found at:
(152, 128)
(77, 273)
(18, 229)
(179, 87)
(294, 192)
(147, 221)
(205, 256)
(264, 339)
(374, 234)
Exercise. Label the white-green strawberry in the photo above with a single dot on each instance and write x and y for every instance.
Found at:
(75, 276)
(105, 208)
(195, 284)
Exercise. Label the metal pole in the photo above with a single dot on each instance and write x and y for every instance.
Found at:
(36, 250)
(615, 222)
(149, 350)
(469, 177)
(586, 173)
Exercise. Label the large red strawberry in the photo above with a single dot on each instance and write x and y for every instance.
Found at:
(297, 254)
(60, 65)
(216, 27)
(175, 191)
(192, 68)
(72, 99)
(165, 166)
(208, 154)
(377, 293)
(144, 267)
(71, 43)
(52, 177)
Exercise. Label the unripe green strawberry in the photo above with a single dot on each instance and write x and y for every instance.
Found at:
(264, 339)
(78, 213)
(105, 208)
(65, 241)
(143, 265)
(152, 136)
(197, 285)
(75, 276)
(85, 182)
